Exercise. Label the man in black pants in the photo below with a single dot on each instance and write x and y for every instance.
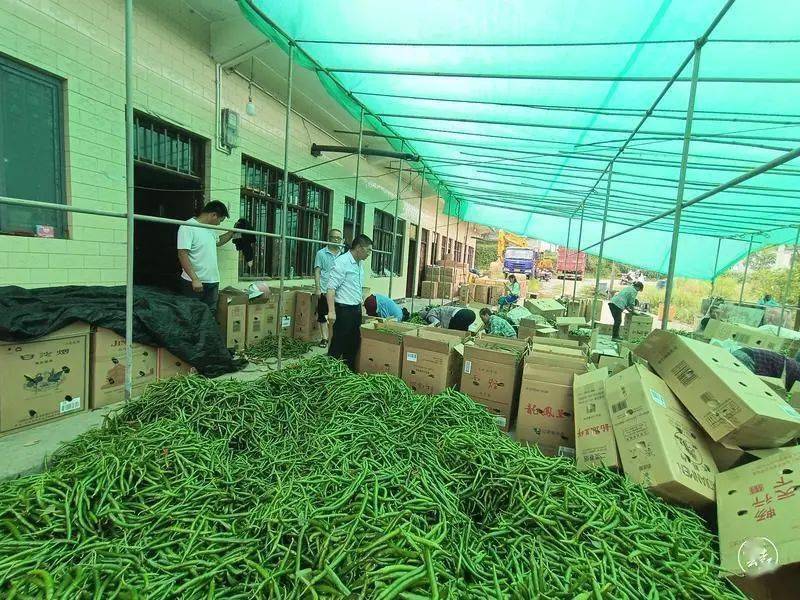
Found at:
(345, 294)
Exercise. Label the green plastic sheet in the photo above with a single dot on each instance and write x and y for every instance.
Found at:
(555, 88)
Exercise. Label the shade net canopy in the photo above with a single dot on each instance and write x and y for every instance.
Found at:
(518, 109)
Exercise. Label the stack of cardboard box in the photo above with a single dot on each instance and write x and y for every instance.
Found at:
(432, 359)
(491, 376)
(443, 281)
(637, 326)
(567, 324)
(660, 446)
(304, 324)
(545, 414)
(481, 294)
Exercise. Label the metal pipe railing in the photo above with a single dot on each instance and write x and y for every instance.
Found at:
(746, 268)
(600, 254)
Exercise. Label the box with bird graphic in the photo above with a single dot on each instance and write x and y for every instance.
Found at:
(108, 368)
(44, 379)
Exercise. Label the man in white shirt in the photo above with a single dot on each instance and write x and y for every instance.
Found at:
(323, 265)
(197, 253)
(345, 295)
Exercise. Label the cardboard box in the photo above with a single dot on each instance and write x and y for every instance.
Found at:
(595, 444)
(548, 373)
(545, 332)
(381, 348)
(495, 293)
(481, 293)
(758, 513)
(432, 273)
(463, 293)
(575, 345)
(232, 316)
(446, 273)
(545, 356)
(430, 289)
(545, 415)
(445, 290)
(598, 310)
(492, 374)
(44, 379)
(570, 322)
(261, 318)
(731, 403)
(432, 360)
(305, 326)
(550, 309)
(170, 365)
(604, 328)
(660, 446)
(287, 312)
(107, 367)
(744, 335)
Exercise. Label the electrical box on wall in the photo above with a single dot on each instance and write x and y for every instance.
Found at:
(230, 128)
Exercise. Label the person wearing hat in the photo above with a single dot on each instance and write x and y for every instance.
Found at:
(378, 305)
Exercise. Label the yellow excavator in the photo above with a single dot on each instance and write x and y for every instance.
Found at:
(504, 240)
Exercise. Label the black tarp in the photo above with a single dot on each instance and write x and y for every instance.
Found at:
(184, 326)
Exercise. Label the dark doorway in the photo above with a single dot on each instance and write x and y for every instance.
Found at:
(168, 183)
(412, 260)
(423, 259)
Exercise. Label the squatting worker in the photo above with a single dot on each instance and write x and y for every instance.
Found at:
(197, 253)
(496, 325)
(323, 264)
(378, 305)
(344, 294)
(451, 316)
(623, 300)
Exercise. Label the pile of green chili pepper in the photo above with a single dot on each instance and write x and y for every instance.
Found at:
(313, 482)
(267, 348)
(416, 319)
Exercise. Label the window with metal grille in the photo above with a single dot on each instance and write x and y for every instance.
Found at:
(457, 253)
(31, 149)
(470, 256)
(307, 217)
(435, 251)
(382, 238)
(163, 145)
(353, 219)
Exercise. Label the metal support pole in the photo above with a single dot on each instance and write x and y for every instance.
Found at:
(420, 260)
(396, 210)
(746, 268)
(358, 163)
(564, 279)
(129, 237)
(436, 237)
(676, 224)
(285, 201)
(788, 287)
(716, 262)
(458, 226)
(578, 254)
(444, 253)
(600, 253)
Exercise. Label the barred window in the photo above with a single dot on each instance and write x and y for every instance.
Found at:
(353, 219)
(307, 217)
(382, 238)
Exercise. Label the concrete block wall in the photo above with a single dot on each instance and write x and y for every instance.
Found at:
(81, 41)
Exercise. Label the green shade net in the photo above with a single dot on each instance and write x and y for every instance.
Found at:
(528, 154)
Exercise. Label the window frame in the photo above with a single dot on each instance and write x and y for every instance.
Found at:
(61, 222)
(261, 205)
(384, 228)
(353, 219)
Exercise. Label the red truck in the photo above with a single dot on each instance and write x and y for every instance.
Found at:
(571, 264)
